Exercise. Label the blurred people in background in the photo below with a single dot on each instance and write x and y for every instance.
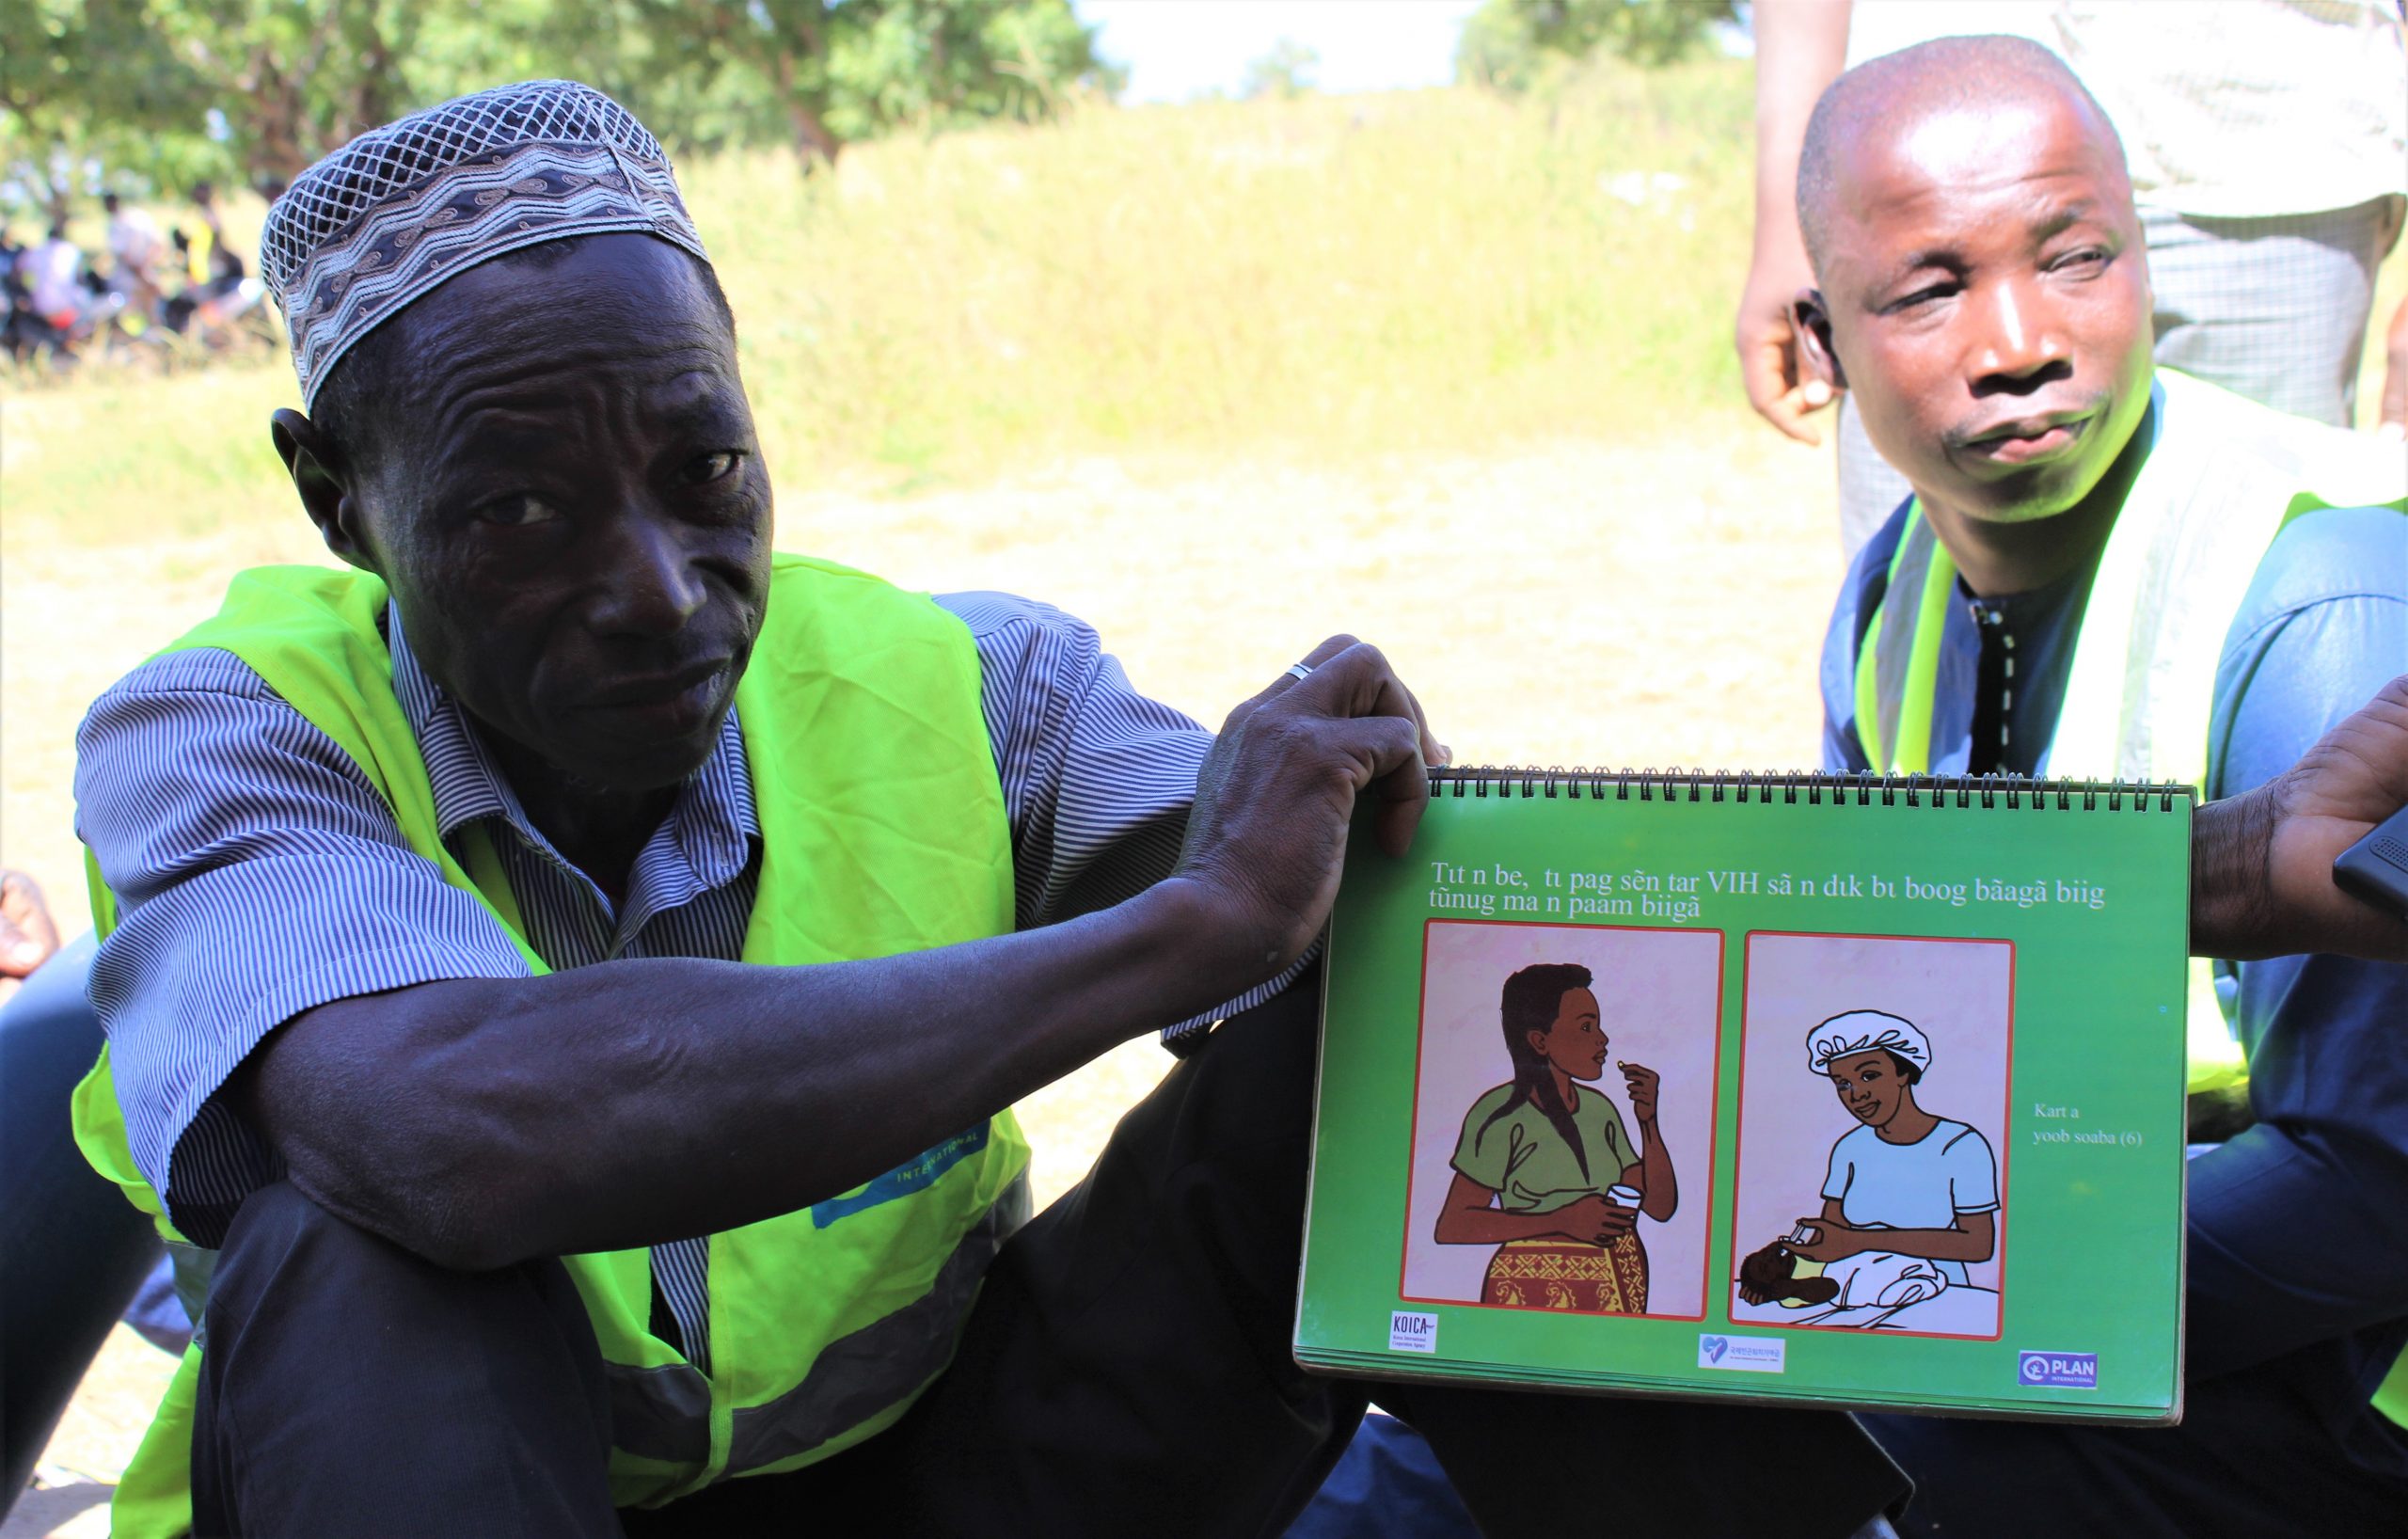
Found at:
(135, 245)
(213, 266)
(53, 271)
(2268, 143)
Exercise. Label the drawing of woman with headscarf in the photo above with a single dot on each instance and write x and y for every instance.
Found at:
(1910, 1198)
(1545, 1170)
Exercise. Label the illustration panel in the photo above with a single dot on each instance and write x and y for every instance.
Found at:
(1873, 1097)
(1563, 1118)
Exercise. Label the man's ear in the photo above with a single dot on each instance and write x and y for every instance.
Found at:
(324, 484)
(1811, 318)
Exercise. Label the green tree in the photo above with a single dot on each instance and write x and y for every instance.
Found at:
(816, 74)
(85, 85)
(1285, 72)
(291, 79)
(257, 89)
(1508, 44)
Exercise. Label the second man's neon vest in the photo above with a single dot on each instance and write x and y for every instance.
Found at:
(882, 831)
(2222, 478)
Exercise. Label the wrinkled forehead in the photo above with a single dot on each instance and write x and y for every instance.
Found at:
(608, 339)
(1953, 168)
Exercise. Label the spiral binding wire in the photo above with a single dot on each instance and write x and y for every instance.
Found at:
(1813, 787)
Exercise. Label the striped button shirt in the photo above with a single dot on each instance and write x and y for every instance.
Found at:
(259, 874)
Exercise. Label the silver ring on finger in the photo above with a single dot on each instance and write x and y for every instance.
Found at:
(1300, 670)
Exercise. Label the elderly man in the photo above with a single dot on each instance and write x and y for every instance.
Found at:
(567, 974)
(2110, 569)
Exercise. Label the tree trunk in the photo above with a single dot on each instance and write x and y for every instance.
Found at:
(276, 114)
(379, 82)
(811, 139)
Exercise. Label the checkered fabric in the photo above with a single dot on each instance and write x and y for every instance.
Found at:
(384, 220)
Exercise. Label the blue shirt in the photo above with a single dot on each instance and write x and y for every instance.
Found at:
(259, 874)
(2298, 1226)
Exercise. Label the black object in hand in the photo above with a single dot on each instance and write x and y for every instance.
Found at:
(2376, 867)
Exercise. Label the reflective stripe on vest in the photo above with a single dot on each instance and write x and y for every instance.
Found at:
(884, 830)
(663, 1412)
(2223, 478)
(1895, 730)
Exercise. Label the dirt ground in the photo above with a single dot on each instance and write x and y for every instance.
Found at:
(1648, 604)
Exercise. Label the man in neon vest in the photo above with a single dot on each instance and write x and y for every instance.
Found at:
(2107, 570)
(567, 969)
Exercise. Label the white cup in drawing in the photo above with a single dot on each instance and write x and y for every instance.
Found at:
(1623, 1197)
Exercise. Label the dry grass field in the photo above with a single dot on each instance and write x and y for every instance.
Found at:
(1448, 372)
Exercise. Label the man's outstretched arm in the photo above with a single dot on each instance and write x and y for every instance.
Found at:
(480, 1121)
(2262, 863)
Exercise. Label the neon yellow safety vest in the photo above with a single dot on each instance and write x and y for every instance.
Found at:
(2222, 478)
(882, 831)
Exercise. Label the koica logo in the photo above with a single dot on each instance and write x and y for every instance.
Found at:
(1744, 1354)
(1411, 1332)
(2057, 1370)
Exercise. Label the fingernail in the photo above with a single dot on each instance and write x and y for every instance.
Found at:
(2392, 430)
(27, 953)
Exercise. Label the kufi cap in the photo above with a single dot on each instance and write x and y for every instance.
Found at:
(382, 221)
(1862, 1031)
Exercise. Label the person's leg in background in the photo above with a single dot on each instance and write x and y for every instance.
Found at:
(2275, 308)
(72, 1249)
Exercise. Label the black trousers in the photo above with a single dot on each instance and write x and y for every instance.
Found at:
(2287, 1449)
(1126, 1370)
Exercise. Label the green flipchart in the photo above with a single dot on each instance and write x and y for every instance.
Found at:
(2088, 884)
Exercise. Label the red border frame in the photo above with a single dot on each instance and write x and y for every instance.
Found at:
(1713, 1115)
(1740, 1128)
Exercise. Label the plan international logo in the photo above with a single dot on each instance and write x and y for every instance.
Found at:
(2058, 1369)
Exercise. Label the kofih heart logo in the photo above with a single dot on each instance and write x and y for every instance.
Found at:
(1715, 1347)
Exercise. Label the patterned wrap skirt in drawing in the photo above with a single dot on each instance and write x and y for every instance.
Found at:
(1559, 1273)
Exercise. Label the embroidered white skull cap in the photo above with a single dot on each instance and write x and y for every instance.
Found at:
(385, 219)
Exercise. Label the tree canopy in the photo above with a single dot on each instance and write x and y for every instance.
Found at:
(163, 91)
(1508, 44)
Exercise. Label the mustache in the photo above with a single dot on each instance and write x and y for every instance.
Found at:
(1971, 430)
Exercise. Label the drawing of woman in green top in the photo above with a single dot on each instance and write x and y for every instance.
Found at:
(1544, 1170)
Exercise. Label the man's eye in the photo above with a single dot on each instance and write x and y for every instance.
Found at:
(1922, 297)
(2088, 257)
(517, 510)
(709, 468)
